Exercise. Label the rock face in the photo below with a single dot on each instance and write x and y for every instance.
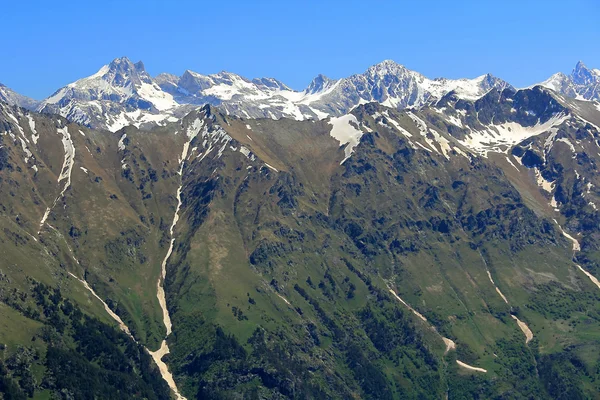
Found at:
(283, 240)
(13, 98)
(583, 83)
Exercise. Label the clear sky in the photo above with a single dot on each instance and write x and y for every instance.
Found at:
(46, 45)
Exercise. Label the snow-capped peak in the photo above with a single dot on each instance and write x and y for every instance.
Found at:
(582, 75)
(583, 83)
(388, 67)
(319, 84)
(122, 92)
(118, 94)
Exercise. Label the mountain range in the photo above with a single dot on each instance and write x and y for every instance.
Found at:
(123, 93)
(382, 236)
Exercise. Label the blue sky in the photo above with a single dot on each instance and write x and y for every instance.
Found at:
(49, 44)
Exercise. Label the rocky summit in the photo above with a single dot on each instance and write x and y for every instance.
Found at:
(381, 236)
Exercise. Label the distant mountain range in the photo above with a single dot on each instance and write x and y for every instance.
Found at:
(123, 93)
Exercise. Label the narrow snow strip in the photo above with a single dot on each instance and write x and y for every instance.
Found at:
(511, 163)
(34, 134)
(501, 295)
(110, 312)
(523, 326)
(497, 289)
(396, 124)
(156, 355)
(121, 144)
(450, 345)
(25, 149)
(164, 368)
(418, 314)
(592, 277)
(162, 298)
(69, 160)
(192, 132)
(576, 246)
(422, 126)
(44, 218)
(284, 299)
(467, 366)
(273, 168)
(568, 142)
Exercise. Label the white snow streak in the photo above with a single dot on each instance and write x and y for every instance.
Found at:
(69, 160)
(523, 326)
(34, 134)
(467, 366)
(160, 291)
(110, 312)
(576, 246)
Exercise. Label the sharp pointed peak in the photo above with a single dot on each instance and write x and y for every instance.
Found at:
(321, 78)
(581, 69)
(319, 83)
(190, 73)
(387, 67)
(388, 62)
(121, 60)
(124, 63)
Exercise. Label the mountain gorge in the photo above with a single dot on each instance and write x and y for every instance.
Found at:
(379, 236)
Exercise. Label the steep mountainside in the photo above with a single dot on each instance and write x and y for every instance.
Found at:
(445, 251)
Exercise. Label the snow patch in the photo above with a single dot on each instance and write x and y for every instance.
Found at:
(344, 130)
(469, 367)
(594, 280)
(121, 143)
(69, 160)
(34, 134)
(500, 138)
